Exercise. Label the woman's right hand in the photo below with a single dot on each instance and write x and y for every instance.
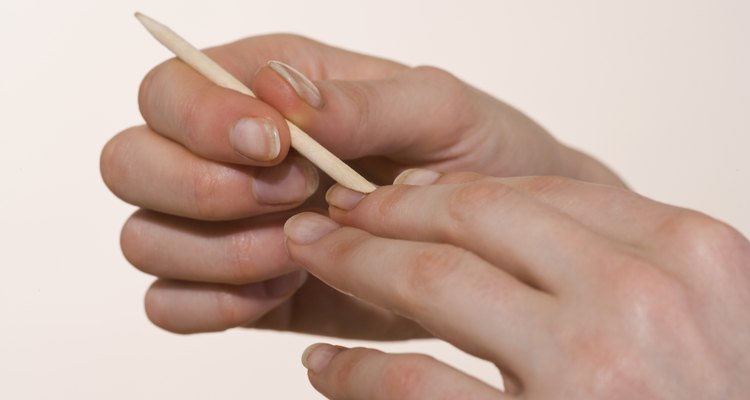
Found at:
(215, 180)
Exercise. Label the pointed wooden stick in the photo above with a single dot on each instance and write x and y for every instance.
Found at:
(302, 142)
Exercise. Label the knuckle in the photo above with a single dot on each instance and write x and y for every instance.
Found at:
(457, 98)
(446, 81)
(428, 270)
(684, 228)
(239, 260)
(191, 121)
(155, 82)
(229, 308)
(389, 204)
(726, 250)
(205, 183)
(404, 376)
(111, 165)
(157, 309)
(469, 200)
(345, 365)
(362, 100)
(644, 293)
(132, 240)
(184, 113)
(702, 239)
(348, 249)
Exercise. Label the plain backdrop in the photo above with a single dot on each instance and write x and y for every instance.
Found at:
(660, 90)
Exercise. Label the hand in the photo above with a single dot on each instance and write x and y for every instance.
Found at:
(215, 179)
(573, 289)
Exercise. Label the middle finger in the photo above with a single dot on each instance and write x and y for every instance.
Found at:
(150, 171)
(446, 289)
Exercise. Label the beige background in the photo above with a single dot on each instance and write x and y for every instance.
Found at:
(658, 89)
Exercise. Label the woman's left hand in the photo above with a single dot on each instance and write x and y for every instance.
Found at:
(573, 289)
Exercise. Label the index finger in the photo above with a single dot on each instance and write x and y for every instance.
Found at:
(223, 125)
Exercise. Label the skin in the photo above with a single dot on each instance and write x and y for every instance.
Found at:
(611, 309)
(210, 228)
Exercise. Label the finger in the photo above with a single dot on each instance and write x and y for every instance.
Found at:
(152, 172)
(610, 211)
(643, 226)
(314, 308)
(235, 252)
(212, 121)
(488, 217)
(190, 307)
(362, 118)
(224, 125)
(318, 309)
(446, 289)
(359, 373)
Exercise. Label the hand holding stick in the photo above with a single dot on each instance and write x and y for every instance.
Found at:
(302, 142)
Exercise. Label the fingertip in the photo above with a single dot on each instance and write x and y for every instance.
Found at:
(261, 138)
(417, 177)
(318, 356)
(288, 183)
(343, 198)
(274, 89)
(308, 227)
(257, 139)
(301, 84)
(213, 122)
(284, 140)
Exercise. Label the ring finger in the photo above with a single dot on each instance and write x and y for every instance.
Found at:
(236, 252)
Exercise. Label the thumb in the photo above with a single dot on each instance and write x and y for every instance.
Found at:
(419, 115)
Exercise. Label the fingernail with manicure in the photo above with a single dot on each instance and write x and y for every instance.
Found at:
(303, 86)
(287, 183)
(307, 228)
(343, 198)
(256, 139)
(317, 356)
(417, 177)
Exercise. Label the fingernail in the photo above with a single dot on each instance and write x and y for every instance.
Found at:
(308, 227)
(291, 182)
(417, 177)
(343, 198)
(304, 87)
(317, 356)
(285, 284)
(256, 138)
